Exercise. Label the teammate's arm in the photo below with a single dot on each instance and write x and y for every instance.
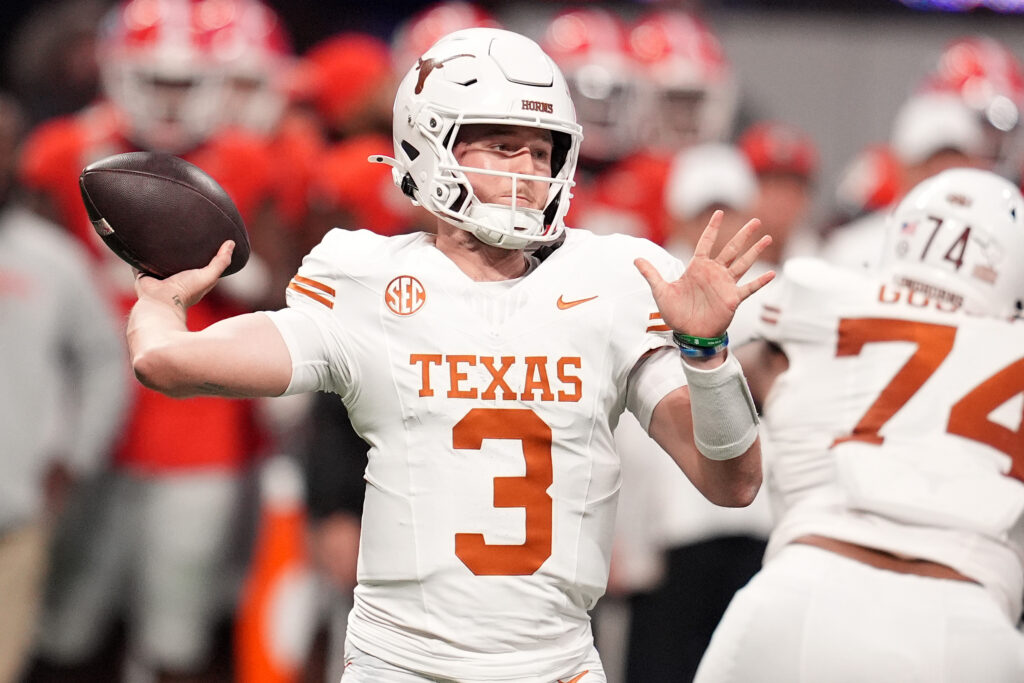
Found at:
(241, 356)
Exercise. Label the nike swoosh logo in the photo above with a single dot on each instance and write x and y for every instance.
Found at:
(577, 677)
(562, 305)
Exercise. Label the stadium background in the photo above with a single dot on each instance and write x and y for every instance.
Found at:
(838, 69)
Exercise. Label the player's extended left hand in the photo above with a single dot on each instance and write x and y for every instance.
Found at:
(704, 299)
(186, 288)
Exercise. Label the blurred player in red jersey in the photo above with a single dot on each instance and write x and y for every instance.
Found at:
(167, 513)
(590, 46)
(688, 95)
(891, 400)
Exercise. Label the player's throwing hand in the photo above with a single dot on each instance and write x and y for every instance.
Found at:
(186, 288)
(703, 300)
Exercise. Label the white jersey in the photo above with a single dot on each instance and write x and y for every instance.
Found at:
(898, 425)
(489, 408)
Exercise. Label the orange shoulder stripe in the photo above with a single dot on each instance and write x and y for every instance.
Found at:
(311, 294)
(313, 283)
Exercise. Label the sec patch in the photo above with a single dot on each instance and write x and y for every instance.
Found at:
(404, 295)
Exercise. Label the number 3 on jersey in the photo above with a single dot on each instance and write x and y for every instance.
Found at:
(968, 417)
(529, 491)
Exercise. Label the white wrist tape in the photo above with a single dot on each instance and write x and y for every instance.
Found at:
(724, 416)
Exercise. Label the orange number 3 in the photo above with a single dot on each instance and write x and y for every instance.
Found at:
(529, 491)
(968, 417)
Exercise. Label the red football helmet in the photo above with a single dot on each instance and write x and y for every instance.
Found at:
(157, 66)
(691, 91)
(255, 52)
(986, 74)
(591, 47)
(777, 147)
(414, 36)
(989, 78)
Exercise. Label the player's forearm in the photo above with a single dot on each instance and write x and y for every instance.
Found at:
(244, 356)
(730, 483)
(156, 332)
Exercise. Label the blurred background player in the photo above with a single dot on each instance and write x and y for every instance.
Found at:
(348, 79)
(65, 380)
(680, 557)
(868, 182)
(785, 160)
(989, 78)
(160, 542)
(591, 47)
(413, 36)
(687, 94)
(931, 132)
(896, 458)
(55, 44)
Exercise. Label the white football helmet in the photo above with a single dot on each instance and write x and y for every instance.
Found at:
(483, 76)
(959, 238)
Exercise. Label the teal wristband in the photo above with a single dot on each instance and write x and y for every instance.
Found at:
(700, 342)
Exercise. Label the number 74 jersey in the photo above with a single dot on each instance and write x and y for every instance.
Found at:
(898, 424)
(489, 407)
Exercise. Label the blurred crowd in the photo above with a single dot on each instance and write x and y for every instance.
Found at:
(145, 538)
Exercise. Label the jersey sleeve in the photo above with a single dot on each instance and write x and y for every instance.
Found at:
(322, 301)
(657, 370)
(653, 378)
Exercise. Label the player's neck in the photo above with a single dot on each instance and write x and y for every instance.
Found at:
(481, 262)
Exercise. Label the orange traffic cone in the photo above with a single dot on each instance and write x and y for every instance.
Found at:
(277, 615)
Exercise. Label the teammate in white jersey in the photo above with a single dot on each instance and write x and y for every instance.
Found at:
(486, 366)
(893, 404)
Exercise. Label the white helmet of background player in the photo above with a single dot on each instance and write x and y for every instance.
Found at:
(483, 76)
(690, 90)
(590, 45)
(959, 237)
(157, 67)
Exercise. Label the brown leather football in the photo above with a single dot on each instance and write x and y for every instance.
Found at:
(160, 213)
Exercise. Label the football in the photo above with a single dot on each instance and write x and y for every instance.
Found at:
(160, 213)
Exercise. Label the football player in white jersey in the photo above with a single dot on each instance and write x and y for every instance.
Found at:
(892, 401)
(486, 366)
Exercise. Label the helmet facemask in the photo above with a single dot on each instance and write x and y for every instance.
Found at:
(525, 90)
